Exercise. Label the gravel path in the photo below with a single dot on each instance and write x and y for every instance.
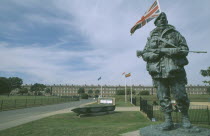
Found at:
(17, 117)
(133, 133)
(136, 108)
(200, 103)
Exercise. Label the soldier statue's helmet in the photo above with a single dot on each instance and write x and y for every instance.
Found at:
(161, 14)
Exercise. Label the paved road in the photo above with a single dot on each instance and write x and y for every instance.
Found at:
(17, 117)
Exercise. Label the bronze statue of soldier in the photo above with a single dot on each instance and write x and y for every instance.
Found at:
(165, 53)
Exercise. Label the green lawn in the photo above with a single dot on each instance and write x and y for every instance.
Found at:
(71, 125)
(123, 104)
(120, 101)
(199, 98)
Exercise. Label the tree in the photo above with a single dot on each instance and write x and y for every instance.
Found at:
(144, 92)
(122, 92)
(84, 96)
(37, 88)
(81, 91)
(5, 87)
(97, 92)
(23, 91)
(90, 92)
(208, 90)
(206, 73)
(15, 82)
(48, 90)
(129, 91)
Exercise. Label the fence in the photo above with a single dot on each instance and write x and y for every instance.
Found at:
(199, 114)
(9, 104)
(133, 100)
(146, 108)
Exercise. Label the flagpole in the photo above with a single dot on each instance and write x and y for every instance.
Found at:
(101, 90)
(101, 85)
(125, 91)
(131, 92)
(158, 5)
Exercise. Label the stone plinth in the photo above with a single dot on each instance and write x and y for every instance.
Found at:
(155, 130)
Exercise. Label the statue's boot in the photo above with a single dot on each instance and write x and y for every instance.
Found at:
(168, 124)
(185, 120)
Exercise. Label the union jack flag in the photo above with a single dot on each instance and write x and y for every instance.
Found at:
(150, 14)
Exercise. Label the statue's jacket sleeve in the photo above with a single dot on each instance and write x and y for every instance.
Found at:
(170, 63)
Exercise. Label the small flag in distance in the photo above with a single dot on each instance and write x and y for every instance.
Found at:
(128, 75)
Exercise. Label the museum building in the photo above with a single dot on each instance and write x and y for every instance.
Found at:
(71, 90)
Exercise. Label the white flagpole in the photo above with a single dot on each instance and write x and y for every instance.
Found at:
(101, 85)
(158, 5)
(131, 91)
(125, 91)
(101, 90)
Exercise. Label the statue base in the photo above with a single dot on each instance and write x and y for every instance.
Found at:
(155, 130)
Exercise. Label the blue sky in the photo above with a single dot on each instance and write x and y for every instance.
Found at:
(77, 41)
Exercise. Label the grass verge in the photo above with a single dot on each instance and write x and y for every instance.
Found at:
(71, 125)
(120, 101)
(123, 104)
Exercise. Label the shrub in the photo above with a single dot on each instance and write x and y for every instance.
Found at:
(84, 96)
(208, 90)
(81, 90)
(144, 93)
(120, 92)
(96, 96)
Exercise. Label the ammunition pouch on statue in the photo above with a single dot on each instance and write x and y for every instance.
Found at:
(153, 68)
(171, 66)
(181, 61)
